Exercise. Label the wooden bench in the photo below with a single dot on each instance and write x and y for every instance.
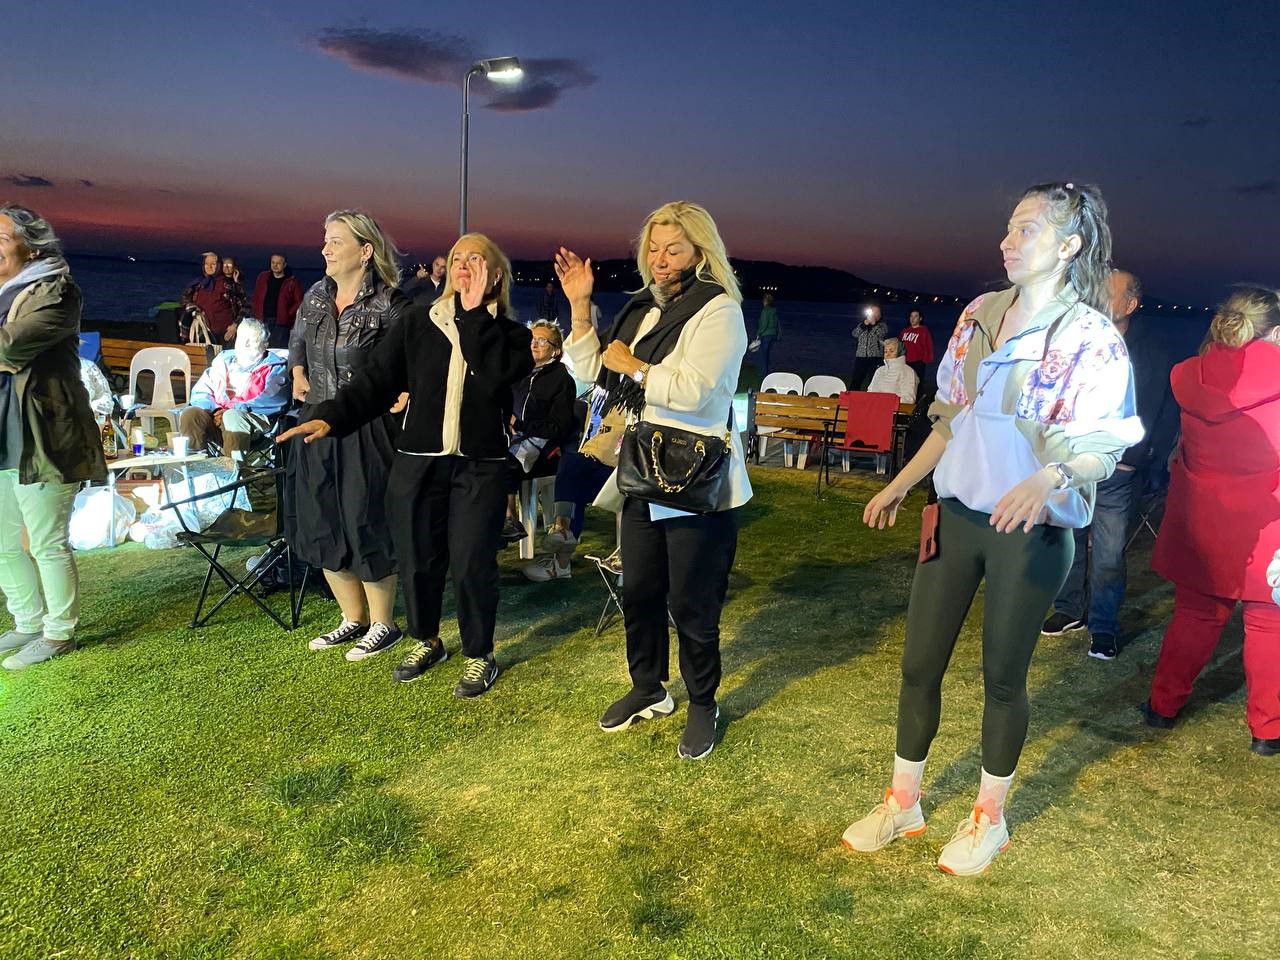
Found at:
(807, 420)
(118, 354)
(792, 419)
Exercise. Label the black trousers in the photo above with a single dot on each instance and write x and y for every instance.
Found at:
(1024, 572)
(445, 513)
(681, 564)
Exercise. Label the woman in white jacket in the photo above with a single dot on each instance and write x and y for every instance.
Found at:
(672, 357)
(895, 376)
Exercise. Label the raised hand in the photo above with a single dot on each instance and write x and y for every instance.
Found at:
(310, 431)
(575, 275)
(475, 283)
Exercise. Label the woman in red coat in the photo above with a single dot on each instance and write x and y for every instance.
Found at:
(1222, 520)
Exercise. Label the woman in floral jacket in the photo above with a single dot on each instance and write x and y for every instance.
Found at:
(1034, 406)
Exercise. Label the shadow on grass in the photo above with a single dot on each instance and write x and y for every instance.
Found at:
(1097, 715)
(835, 633)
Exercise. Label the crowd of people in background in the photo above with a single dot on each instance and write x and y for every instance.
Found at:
(420, 408)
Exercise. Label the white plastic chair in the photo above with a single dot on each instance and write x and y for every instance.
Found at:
(784, 383)
(822, 385)
(535, 493)
(163, 362)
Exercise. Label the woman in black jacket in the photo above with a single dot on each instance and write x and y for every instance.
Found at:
(445, 497)
(542, 417)
(337, 521)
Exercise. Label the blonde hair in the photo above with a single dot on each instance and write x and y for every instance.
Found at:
(497, 261)
(366, 230)
(696, 224)
(1248, 314)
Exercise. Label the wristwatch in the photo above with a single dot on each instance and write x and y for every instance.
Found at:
(1065, 476)
(640, 374)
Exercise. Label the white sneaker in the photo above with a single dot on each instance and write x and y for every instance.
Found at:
(886, 823)
(546, 569)
(559, 538)
(976, 842)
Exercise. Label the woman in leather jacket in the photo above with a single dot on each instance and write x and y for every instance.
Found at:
(337, 520)
(445, 495)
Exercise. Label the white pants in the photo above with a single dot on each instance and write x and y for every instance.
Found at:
(44, 509)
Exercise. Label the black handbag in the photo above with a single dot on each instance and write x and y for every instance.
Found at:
(672, 467)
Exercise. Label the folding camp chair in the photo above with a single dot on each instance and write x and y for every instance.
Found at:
(244, 528)
(1146, 511)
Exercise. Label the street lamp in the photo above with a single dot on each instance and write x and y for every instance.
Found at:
(496, 68)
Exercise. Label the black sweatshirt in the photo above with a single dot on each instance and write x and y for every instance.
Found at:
(415, 356)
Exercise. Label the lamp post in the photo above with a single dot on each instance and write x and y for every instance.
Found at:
(496, 68)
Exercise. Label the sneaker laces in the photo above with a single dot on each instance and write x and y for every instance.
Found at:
(970, 827)
(418, 654)
(377, 633)
(475, 669)
(340, 631)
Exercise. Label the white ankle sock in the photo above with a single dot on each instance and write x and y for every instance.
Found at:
(992, 791)
(907, 777)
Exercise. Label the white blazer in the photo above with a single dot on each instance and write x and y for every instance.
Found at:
(692, 388)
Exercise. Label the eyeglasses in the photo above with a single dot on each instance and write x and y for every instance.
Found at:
(543, 342)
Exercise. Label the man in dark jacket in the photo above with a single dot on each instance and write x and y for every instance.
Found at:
(1100, 570)
(277, 294)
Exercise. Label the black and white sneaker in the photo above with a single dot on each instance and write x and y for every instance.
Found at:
(421, 658)
(477, 676)
(1104, 647)
(636, 706)
(1060, 623)
(699, 732)
(512, 532)
(347, 631)
(379, 637)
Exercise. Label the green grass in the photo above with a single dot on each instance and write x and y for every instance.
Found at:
(223, 793)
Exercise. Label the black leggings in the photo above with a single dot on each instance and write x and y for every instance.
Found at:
(1024, 572)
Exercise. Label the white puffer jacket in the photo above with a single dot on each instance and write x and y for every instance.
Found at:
(896, 377)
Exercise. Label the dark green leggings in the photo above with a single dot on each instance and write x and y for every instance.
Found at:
(1024, 572)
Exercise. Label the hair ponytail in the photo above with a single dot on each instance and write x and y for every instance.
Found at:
(1080, 210)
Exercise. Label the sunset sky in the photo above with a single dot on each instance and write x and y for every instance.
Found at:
(890, 139)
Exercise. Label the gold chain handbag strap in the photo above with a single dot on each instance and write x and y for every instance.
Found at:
(665, 483)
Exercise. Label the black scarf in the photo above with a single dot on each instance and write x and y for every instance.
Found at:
(691, 295)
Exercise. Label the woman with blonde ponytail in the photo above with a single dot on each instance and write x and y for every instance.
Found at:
(1221, 524)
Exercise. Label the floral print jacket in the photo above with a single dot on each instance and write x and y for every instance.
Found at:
(1071, 387)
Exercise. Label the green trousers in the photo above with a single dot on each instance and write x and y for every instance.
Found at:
(1024, 572)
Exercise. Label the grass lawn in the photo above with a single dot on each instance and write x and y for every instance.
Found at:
(169, 793)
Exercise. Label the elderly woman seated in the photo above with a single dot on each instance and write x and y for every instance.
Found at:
(895, 376)
(238, 393)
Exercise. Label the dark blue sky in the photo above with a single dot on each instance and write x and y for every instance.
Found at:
(889, 139)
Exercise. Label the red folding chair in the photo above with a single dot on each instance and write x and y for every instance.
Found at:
(868, 427)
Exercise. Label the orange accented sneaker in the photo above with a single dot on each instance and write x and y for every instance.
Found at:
(976, 842)
(883, 825)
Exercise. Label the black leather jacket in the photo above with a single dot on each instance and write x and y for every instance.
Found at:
(333, 348)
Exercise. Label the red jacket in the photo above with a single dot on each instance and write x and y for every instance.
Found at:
(287, 303)
(918, 344)
(1221, 522)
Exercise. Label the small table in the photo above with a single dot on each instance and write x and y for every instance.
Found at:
(147, 461)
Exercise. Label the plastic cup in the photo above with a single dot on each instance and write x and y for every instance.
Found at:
(180, 446)
(139, 442)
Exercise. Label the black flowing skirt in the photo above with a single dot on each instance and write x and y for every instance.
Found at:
(337, 518)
